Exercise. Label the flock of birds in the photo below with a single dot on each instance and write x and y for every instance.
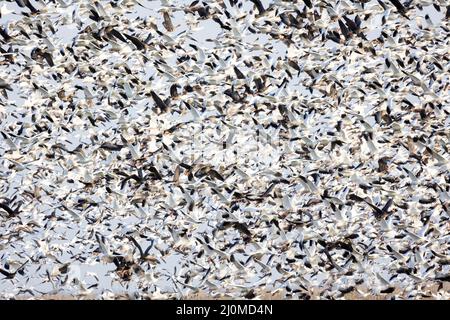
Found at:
(241, 149)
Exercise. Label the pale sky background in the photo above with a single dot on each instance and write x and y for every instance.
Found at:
(65, 35)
